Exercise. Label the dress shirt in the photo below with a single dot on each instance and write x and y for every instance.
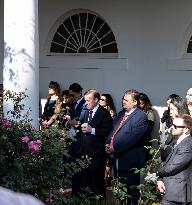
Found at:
(128, 113)
(94, 111)
(181, 138)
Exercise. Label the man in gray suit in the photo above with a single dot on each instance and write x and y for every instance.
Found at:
(176, 171)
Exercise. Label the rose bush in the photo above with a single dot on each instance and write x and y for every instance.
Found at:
(33, 161)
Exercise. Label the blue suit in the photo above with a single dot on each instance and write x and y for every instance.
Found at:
(76, 111)
(129, 151)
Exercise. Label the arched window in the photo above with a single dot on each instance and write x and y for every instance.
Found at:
(189, 48)
(82, 33)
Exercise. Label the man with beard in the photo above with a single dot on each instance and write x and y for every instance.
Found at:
(176, 171)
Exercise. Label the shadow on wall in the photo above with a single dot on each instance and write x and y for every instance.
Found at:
(16, 63)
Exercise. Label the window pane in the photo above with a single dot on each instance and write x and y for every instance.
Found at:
(84, 33)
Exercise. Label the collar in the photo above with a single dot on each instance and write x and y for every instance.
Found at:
(94, 110)
(78, 101)
(131, 111)
(181, 138)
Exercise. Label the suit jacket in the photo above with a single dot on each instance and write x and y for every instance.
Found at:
(129, 141)
(76, 112)
(94, 145)
(165, 151)
(177, 172)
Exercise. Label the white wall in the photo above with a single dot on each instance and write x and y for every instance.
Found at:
(150, 36)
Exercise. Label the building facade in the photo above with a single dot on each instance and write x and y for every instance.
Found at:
(114, 46)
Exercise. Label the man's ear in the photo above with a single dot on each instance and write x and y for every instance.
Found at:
(186, 130)
(135, 102)
(96, 100)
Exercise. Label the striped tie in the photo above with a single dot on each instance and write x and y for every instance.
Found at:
(120, 125)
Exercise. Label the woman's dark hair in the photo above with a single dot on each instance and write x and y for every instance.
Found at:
(166, 115)
(181, 105)
(56, 87)
(109, 101)
(145, 98)
(172, 96)
(65, 93)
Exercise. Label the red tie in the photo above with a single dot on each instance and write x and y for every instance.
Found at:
(120, 124)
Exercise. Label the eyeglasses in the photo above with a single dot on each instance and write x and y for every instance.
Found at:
(177, 126)
(102, 99)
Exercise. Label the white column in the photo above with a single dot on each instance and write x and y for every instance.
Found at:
(21, 53)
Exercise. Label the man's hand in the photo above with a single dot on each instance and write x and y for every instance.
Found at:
(73, 122)
(160, 186)
(45, 123)
(109, 149)
(86, 128)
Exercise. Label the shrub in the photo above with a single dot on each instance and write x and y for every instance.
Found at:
(33, 161)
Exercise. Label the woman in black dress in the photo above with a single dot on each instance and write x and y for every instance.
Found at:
(53, 105)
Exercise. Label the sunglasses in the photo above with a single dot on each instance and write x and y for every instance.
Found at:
(177, 126)
(102, 99)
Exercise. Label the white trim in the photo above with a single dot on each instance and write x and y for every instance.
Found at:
(185, 42)
(56, 25)
(184, 64)
(58, 62)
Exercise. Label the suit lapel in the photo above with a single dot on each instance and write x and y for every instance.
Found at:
(125, 122)
(174, 150)
(170, 155)
(129, 117)
(96, 116)
(86, 116)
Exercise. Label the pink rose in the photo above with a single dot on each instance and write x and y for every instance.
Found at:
(38, 142)
(66, 117)
(5, 123)
(33, 147)
(25, 139)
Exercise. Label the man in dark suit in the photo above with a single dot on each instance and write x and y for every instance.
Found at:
(96, 125)
(75, 90)
(76, 112)
(126, 143)
(176, 171)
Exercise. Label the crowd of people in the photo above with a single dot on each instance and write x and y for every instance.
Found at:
(116, 142)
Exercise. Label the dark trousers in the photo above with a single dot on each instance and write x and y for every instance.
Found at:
(129, 178)
(93, 181)
(76, 185)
